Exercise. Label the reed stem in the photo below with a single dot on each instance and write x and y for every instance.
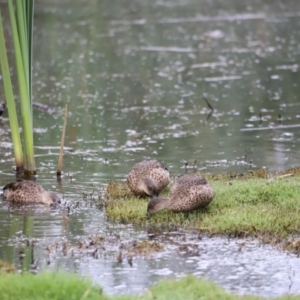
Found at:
(62, 142)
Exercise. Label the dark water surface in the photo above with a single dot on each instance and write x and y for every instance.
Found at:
(134, 74)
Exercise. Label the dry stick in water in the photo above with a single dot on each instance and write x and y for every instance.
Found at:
(61, 152)
(210, 107)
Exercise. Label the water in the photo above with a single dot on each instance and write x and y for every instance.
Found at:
(134, 77)
(239, 265)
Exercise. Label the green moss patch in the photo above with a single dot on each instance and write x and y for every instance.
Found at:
(259, 205)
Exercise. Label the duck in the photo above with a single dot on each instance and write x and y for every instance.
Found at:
(148, 178)
(188, 193)
(27, 191)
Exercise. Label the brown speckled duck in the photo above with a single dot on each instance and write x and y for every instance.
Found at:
(147, 178)
(26, 191)
(188, 193)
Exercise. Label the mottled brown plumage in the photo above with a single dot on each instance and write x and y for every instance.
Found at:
(26, 191)
(187, 194)
(148, 178)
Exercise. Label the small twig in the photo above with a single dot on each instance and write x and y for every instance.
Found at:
(291, 280)
(186, 166)
(246, 154)
(86, 293)
(282, 176)
(60, 158)
(209, 106)
(194, 164)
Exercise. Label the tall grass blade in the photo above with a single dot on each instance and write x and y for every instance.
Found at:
(29, 12)
(22, 28)
(15, 133)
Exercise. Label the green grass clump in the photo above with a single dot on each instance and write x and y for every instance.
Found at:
(253, 207)
(117, 190)
(189, 288)
(54, 286)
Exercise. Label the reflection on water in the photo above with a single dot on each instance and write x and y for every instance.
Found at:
(135, 76)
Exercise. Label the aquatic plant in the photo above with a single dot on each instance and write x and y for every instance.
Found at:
(21, 19)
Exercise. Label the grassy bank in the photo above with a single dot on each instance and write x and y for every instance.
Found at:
(44, 286)
(256, 204)
(56, 286)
